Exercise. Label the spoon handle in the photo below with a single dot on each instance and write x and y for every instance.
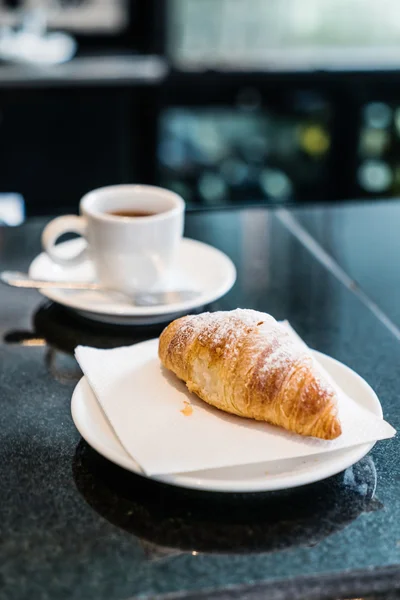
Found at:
(22, 280)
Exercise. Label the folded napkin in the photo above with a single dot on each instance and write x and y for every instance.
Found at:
(166, 429)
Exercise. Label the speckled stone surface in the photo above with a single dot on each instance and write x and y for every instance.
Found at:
(74, 526)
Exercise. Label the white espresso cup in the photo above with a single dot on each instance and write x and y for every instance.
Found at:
(129, 253)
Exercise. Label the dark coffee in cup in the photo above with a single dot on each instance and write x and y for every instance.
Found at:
(131, 213)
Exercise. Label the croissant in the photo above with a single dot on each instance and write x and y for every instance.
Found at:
(245, 363)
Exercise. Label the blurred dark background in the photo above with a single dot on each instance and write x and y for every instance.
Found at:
(224, 101)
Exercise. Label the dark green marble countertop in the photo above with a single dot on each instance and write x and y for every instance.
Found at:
(74, 526)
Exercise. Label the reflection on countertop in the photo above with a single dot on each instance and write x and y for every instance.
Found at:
(183, 520)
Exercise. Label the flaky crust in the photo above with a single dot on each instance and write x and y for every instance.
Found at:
(245, 363)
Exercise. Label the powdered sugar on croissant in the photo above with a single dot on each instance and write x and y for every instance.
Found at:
(245, 363)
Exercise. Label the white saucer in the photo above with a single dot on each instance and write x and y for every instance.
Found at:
(277, 475)
(200, 267)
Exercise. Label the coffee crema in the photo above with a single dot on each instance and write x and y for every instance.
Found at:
(132, 213)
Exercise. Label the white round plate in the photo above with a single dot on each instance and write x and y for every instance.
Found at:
(199, 266)
(277, 475)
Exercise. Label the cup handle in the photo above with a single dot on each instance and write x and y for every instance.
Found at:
(56, 228)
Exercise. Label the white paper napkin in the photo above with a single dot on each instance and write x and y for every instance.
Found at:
(168, 430)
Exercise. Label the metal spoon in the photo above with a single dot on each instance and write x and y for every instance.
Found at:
(22, 280)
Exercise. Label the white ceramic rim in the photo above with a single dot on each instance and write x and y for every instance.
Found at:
(142, 311)
(347, 457)
(122, 320)
(90, 198)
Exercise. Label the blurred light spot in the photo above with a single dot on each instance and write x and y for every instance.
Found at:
(206, 138)
(377, 115)
(234, 171)
(276, 184)
(374, 141)
(172, 154)
(249, 99)
(177, 121)
(375, 176)
(212, 187)
(194, 553)
(12, 209)
(314, 139)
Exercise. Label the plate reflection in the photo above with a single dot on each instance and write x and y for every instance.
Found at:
(169, 519)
